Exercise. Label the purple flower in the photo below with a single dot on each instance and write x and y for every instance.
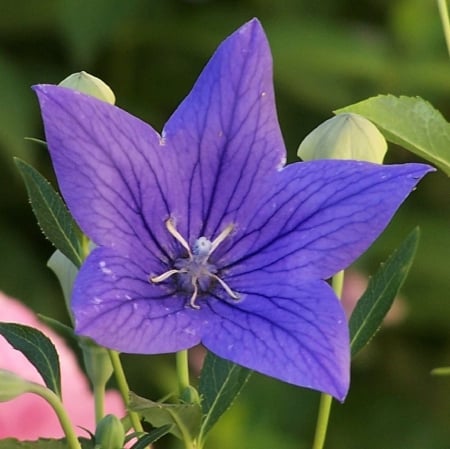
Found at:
(204, 236)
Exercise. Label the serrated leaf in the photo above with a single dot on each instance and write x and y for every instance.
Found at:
(220, 383)
(410, 122)
(181, 417)
(38, 349)
(12, 443)
(151, 437)
(381, 292)
(53, 217)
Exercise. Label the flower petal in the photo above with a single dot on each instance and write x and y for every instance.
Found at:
(226, 132)
(292, 330)
(116, 305)
(109, 166)
(319, 217)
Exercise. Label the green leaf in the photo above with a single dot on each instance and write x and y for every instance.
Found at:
(410, 122)
(441, 371)
(220, 383)
(12, 443)
(36, 140)
(151, 437)
(61, 328)
(183, 418)
(381, 292)
(38, 349)
(54, 219)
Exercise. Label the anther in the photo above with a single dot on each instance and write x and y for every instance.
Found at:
(225, 286)
(221, 237)
(164, 276)
(173, 230)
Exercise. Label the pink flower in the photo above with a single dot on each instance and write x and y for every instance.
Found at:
(29, 417)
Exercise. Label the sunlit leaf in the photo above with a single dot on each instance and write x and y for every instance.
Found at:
(410, 122)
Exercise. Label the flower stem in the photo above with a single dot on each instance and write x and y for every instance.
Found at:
(99, 398)
(443, 12)
(124, 389)
(325, 399)
(322, 421)
(64, 420)
(182, 370)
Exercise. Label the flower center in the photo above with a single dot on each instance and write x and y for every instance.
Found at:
(194, 272)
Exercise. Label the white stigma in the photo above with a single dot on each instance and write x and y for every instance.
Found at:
(195, 272)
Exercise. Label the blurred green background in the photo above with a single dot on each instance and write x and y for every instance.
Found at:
(326, 54)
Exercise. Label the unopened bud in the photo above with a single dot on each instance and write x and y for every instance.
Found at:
(89, 84)
(109, 433)
(345, 136)
(190, 395)
(11, 385)
(97, 362)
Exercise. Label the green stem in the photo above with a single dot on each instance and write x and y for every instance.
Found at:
(182, 370)
(322, 421)
(187, 440)
(124, 389)
(99, 399)
(325, 399)
(64, 420)
(443, 12)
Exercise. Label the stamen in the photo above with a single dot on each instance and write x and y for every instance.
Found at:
(164, 276)
(195, 271)
(225, 286)
(194, 296)
(221, 237)
(173, 230)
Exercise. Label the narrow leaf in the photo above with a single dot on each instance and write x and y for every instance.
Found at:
(151, 437)
(220, 383)
(53, 217)
(38, 349)
(381, 292)
(36, 140)
(410, 122)
(182, 418)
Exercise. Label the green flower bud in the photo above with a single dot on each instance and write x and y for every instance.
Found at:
(11, 385)
(190, 395)
(345, 136)
(89, 84)
(109, 433)
(96, 358)
(97, 362)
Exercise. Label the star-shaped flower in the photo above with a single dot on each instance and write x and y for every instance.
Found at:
(203, 234)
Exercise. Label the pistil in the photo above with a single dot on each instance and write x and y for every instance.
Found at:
(196, 266)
